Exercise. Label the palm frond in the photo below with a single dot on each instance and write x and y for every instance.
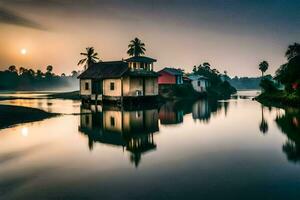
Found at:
(82, 61)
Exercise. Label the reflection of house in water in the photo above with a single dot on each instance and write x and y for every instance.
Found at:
(170, 114)
(132, 130)
(173, 112)
(201, 110)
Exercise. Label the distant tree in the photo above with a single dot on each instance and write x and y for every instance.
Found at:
(216, 71)
(225, 76)
(263, 67)
(74, 73)
(90, 57)
(194, 69)
(268, 85)
(206, 65)
(31, 72)
(293, 51)
(63, 75)
(49, 69)
(12, 68)
(136, 47)
(22, 70)
(39, 74)
(199, 67)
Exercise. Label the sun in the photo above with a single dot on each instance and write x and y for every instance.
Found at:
(23, 51)
(24, 131)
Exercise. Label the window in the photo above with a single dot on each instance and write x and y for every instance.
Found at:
(112, 121)
(138, 114)
(112, 86)
(86, 86)
(142, 65)
(199, 83)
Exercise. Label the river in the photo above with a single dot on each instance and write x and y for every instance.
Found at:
(233, 149)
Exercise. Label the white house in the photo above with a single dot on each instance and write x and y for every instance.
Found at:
(199, 83)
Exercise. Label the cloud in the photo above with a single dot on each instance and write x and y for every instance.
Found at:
(10, 17)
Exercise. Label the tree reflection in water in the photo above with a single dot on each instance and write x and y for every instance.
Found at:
(263, 126)
(289, 123)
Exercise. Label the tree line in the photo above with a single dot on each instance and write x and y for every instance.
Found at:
(22, 78)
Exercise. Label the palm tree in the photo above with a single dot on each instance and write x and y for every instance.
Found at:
(90, 57)
(12, 68)
(263, 66)
(292, 51)
(136, 48)
(22, 70)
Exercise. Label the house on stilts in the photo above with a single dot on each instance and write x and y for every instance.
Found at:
(126, 80)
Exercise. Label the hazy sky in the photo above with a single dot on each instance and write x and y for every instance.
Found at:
(233, 35)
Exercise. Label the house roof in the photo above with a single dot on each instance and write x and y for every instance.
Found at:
(171, 71)
(196, 77)
(112, 69)
(143, 59)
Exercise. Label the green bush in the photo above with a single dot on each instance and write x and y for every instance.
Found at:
(267, 85)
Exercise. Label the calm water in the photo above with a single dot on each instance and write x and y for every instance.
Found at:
(233, 149)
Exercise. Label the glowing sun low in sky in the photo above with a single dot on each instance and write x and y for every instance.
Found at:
(24, 131)
(23, 51)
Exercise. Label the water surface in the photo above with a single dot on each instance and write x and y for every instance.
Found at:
(233, 149)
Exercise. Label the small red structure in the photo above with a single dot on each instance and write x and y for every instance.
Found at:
(295, 86)
(170, 76)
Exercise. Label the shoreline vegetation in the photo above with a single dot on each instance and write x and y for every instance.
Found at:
(284, 89)
(279, 99)
(27, 79)
(13, 115)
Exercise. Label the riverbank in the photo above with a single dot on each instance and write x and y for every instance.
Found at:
(187, 92)
(279, 99)
(12, 115)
